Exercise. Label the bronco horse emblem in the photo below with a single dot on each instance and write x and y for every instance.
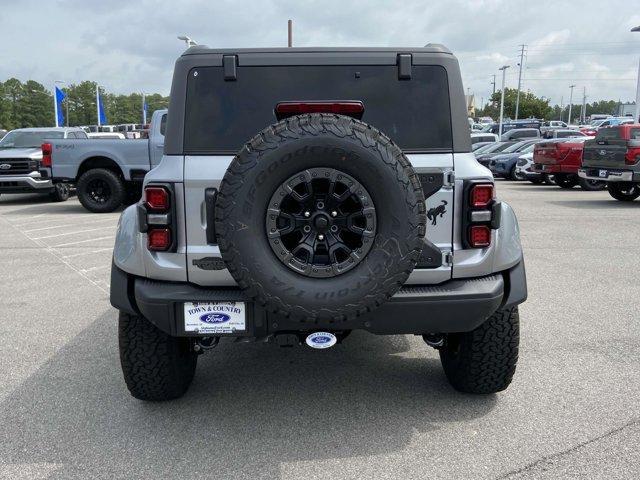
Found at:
(434, 212)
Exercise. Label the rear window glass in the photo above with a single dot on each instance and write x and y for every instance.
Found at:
(608, 133)
(634, 134)
(222, 115)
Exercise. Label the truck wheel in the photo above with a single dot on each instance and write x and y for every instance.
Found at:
(483, 360)
(591, 185)
(100, 190)
(155, 365)
(624, 191)
(320, 217)
(60, 193)
(566, 181)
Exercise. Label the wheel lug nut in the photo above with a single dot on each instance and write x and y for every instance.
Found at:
(307, 214)
(306, 229)
(334, 213)
(320, 237)
(320, 205)
(334, 228)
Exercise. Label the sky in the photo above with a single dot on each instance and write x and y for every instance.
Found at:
(131, 46)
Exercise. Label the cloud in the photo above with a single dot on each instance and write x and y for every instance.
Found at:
(132, 47)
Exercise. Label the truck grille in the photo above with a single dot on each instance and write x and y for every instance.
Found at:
(17, 166)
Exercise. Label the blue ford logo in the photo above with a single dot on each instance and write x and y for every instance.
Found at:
(215, 318)
(321, 339)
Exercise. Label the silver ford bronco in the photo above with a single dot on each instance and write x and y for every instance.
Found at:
(307, 192)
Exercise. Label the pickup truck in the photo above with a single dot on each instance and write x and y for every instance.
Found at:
(614, 157)
(107, 173)
(561, 158)
(25, 167)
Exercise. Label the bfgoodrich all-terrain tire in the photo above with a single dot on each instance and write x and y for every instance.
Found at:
(155, 365)
(483, 360)
(100, 190)
(624, 191)
(320, 217)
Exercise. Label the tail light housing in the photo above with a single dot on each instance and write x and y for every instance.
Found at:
(633, 152)
(351, 108)
(46, 148)
(157, 198)
(481, 213)
(156, 213)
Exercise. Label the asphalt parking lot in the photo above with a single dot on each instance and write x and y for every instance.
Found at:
(373, 407)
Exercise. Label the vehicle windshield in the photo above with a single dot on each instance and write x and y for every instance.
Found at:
(482, 148)
(517, 147)
(597, 123)
(528, 148)
(498, 147)
(26, 139)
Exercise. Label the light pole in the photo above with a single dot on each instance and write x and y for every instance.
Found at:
(187, 40)
(504, 69)
(570, 103)
(637, 117)
(519, 80)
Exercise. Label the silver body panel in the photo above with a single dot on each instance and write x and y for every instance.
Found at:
(193, 174)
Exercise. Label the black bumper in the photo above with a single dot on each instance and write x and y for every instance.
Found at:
(453, 306)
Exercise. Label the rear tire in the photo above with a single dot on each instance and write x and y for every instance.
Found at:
(156, 366)
(591, 185)
(483, 360)
(100, 190)
(566, 181)
(514, 175)
(60, 193)
(624, 191)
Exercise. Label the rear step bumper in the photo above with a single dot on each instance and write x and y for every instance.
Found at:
(612, 175)
(453, 306)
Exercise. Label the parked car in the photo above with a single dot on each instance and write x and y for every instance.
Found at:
(520, 133)
(503, 165)
(483, 137)
(2, 133)
(562, 133)
(516, 124)
(25, 165)
(108, 172)
(524, 169)
(259, 224)
(485, 120)
(614, 156)
(562, 158)
(497, 148)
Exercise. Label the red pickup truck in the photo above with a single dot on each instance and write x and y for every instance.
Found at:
(562, 158)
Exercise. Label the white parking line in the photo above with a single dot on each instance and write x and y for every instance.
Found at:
(81, 241)
(67, 225)
(88, 252)
(93, 269)
(70, 233)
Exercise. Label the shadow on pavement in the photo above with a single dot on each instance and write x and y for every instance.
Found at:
(251, 409)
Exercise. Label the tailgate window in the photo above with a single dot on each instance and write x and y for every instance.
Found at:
(222, 115)
(608, 134)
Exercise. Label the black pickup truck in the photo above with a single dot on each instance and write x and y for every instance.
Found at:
(614, 157)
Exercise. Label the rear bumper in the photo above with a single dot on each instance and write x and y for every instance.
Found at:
(610, 175)
(24, 183)
(554, 168)
(454, 306)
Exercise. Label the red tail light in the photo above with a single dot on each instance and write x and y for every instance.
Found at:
(157, 198)
(159, 239)
(633, 152)
(479, 236)
(350, 108)
(481, 195)
(46, 154)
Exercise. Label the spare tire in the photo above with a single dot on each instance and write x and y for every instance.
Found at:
(320, 217)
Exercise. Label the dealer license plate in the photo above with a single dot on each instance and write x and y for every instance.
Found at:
(602, 173)
(214, 318)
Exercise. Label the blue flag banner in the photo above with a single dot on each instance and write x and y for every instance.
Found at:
(60, 96)
(101, 114)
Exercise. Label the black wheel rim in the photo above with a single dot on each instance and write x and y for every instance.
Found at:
(321, 222)
(98, 191)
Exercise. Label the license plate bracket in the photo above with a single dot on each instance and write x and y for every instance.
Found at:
(215, 318)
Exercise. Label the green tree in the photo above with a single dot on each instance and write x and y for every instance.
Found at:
(530, 106)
